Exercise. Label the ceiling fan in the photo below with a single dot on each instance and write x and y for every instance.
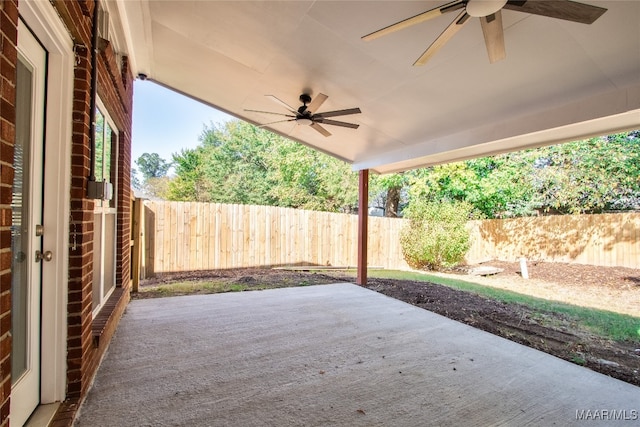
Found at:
(306, 114)
(489, 12)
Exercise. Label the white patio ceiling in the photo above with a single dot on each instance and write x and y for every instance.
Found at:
(561, 80)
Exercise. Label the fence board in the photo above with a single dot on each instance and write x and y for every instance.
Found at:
(183, 236)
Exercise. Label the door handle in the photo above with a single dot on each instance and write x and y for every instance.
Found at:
(46, 256)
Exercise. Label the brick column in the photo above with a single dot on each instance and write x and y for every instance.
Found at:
(80, 231)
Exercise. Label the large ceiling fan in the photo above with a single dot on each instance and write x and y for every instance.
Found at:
(306, 114)
(489, 12)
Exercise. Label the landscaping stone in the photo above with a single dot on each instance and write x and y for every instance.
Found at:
(485, 270)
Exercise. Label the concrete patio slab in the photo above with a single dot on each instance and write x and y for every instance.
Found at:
(333, 355)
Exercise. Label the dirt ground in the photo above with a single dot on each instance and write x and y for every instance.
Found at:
(606, 288)
(613, 289)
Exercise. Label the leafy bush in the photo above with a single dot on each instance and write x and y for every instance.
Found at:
(435, 236)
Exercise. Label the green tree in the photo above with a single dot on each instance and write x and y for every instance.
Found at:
(151, 165)
(502, 187)
(309, 179)
(241, 163)
(589, 176)
(135, 181)
(154, 175)
(388, 189)
(189, 183)
(235, 163)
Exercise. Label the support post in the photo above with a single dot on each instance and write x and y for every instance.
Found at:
(363, 222)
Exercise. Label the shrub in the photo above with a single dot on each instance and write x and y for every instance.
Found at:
(436, 235)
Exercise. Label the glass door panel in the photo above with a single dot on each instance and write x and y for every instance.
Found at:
(26, 237)
(20, 242)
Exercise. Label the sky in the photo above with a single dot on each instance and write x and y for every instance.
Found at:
(165, 122)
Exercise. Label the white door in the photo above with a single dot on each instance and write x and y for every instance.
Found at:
(26, 229)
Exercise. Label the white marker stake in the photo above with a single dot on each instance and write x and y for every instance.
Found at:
(523, 268)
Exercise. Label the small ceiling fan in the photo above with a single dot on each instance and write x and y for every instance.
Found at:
(489, 12)
(306, 114)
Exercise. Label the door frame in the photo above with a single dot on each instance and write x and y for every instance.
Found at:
(45, 24)
(25, 389)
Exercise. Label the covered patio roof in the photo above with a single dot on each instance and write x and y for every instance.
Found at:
(560, 80)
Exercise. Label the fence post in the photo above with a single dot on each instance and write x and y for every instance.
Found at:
(137, 234)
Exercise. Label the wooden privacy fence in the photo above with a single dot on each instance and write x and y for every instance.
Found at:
(609, 240)
(185, 236)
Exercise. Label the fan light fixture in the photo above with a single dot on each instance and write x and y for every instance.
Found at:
(481, 8)
(304, 121)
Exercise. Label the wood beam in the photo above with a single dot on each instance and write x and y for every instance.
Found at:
(363, 222)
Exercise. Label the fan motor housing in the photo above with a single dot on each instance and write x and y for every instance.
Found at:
(305, 98)
(479, 9)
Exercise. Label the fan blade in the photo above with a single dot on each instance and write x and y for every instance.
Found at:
(338, 123)
(422, 17)
(560, 9)
(337, 113)
(443, 38)
(320, 129)
(279, 121)
(494, 36)
(284, 104)
(270, 112)
(317, 101)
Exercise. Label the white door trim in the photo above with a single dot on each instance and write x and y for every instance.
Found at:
(45, 23)
(25, 388)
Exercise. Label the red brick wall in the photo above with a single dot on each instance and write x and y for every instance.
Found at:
(8, 59)
(116, 91)
(81, 227)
